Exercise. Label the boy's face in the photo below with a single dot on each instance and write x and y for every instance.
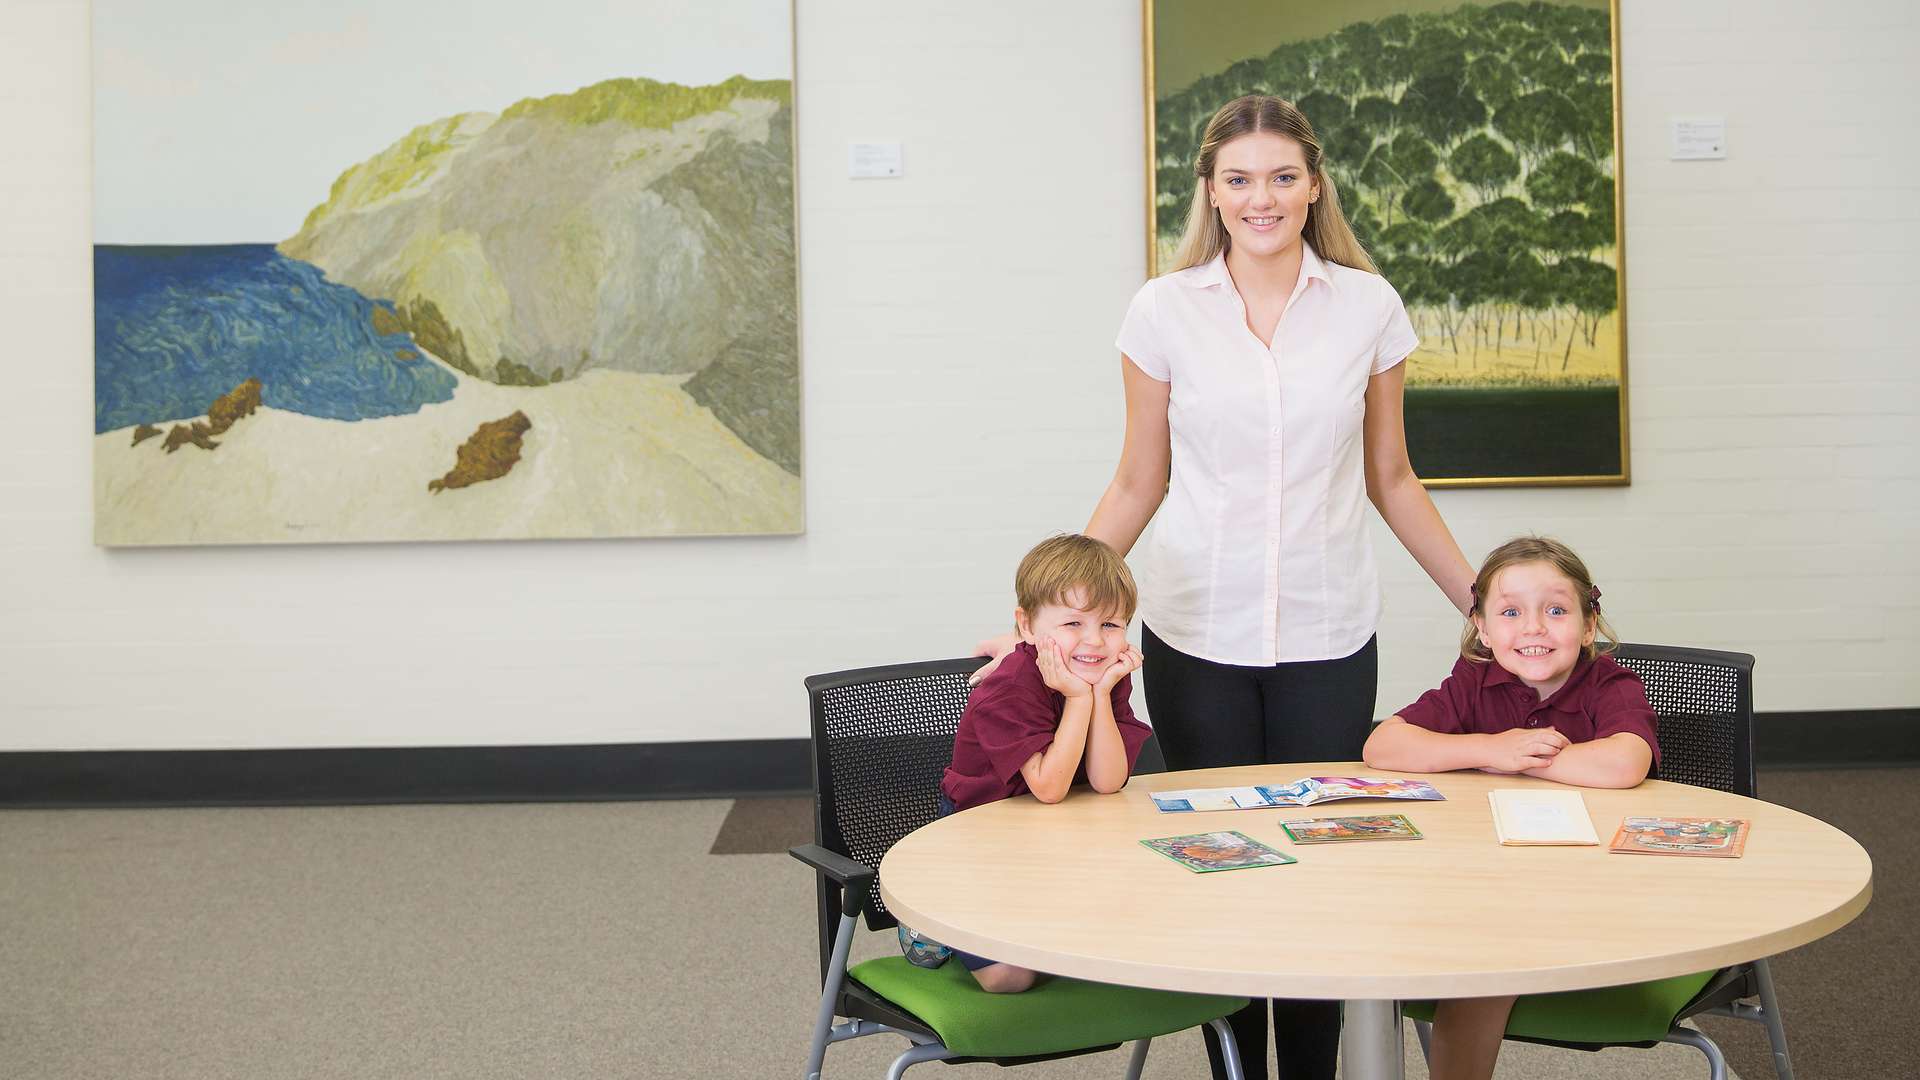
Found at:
(1534, 625)
(1090, 640)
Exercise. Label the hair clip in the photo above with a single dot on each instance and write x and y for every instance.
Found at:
(1473, 590)
(1593, 596)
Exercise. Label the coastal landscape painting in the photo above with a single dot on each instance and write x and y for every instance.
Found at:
(534, 281)
(1475, 150)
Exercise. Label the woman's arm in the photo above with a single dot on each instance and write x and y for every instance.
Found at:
(1397, 493)
(1146, 456)
(1620, 760)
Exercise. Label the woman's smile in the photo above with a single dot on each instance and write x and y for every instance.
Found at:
(1261, 187)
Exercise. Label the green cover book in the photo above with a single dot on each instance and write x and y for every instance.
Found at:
(1372, 827)
(1204, 853)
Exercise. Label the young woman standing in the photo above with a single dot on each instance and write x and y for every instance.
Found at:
(1263, 392)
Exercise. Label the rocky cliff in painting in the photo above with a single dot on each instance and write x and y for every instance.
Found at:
(633, 225)
(489, 455)
(235, 404)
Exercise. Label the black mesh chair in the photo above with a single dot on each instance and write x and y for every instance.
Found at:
(882, 737)
(1703, 700)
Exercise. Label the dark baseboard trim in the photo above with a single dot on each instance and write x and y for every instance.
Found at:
(1837, 739)
(414, 774)
(676, 770)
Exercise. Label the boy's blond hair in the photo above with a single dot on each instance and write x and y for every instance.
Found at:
(1062, 564)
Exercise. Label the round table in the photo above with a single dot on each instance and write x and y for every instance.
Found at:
(1069, 889)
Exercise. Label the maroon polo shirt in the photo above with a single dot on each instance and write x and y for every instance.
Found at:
(1600, 698)
(1011, 716)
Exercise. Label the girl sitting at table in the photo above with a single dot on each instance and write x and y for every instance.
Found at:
(1530, 694)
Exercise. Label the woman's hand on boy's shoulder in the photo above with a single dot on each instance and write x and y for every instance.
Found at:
(1123, 665)
(995, 647)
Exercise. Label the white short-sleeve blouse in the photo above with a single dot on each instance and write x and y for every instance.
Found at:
(1259, 554)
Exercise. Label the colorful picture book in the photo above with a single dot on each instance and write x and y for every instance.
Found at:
(1716, 838)
(1377, 827)
(1540, 817)
(1203, 853)
(1313, 789)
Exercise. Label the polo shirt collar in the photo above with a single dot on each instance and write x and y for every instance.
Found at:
(1562, 699)
(1214, 274)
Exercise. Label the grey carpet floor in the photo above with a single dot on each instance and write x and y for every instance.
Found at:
(569, 940)
(1846, 999)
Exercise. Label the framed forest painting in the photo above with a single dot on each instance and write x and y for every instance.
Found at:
(434, 271)
(1475, 150)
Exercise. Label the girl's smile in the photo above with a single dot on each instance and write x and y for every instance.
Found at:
(1534, 625)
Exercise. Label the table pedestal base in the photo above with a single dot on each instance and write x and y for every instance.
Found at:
(1370, 1042)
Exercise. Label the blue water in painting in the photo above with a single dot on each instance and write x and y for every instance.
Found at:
(176, 327)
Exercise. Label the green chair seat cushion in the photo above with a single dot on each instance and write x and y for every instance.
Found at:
(1637, 1013)
(1055, 1016)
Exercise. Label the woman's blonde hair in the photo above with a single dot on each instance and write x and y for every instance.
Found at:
(1059, 565)
(1526, 549)
(1326, 228)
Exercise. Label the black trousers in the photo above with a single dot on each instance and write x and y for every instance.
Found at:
(1206, 715)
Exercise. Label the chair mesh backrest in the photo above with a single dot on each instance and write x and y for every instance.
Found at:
(1704, 703)
(882, 739)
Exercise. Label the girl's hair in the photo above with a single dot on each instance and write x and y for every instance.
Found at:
(1528, 549)
(1326, 228)
(1060, 564)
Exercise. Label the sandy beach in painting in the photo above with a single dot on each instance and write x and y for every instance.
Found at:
(610, 453)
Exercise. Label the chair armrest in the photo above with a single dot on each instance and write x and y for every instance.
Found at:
(853, 877)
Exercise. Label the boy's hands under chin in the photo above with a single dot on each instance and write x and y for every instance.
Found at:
(1123, 665)
(1521, 749)
(1053, 668)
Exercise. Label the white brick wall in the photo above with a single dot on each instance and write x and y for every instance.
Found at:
(962, 401)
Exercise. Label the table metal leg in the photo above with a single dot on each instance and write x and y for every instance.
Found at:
(1370, 1042)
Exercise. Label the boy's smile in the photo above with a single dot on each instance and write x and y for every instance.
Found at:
(1534, 625)
(1089, 640)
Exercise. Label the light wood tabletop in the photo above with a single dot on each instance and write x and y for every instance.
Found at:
(1069, 889)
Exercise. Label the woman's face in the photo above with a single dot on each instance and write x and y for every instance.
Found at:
(1261, 187)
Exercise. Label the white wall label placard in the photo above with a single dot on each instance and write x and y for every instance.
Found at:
(870, 160)
(1700, 138)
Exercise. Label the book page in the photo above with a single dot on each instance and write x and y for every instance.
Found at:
(1527, 816)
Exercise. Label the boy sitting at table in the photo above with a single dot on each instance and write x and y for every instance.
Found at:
(1530, 693)
(1056, 711)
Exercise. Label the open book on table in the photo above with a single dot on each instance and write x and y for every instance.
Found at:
(1306, 792)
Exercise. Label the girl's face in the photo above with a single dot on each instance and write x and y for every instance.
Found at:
(1534, 624)
(1261, 187)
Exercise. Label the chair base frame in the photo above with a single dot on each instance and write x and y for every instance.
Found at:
(839, 995)
(1725, 994)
